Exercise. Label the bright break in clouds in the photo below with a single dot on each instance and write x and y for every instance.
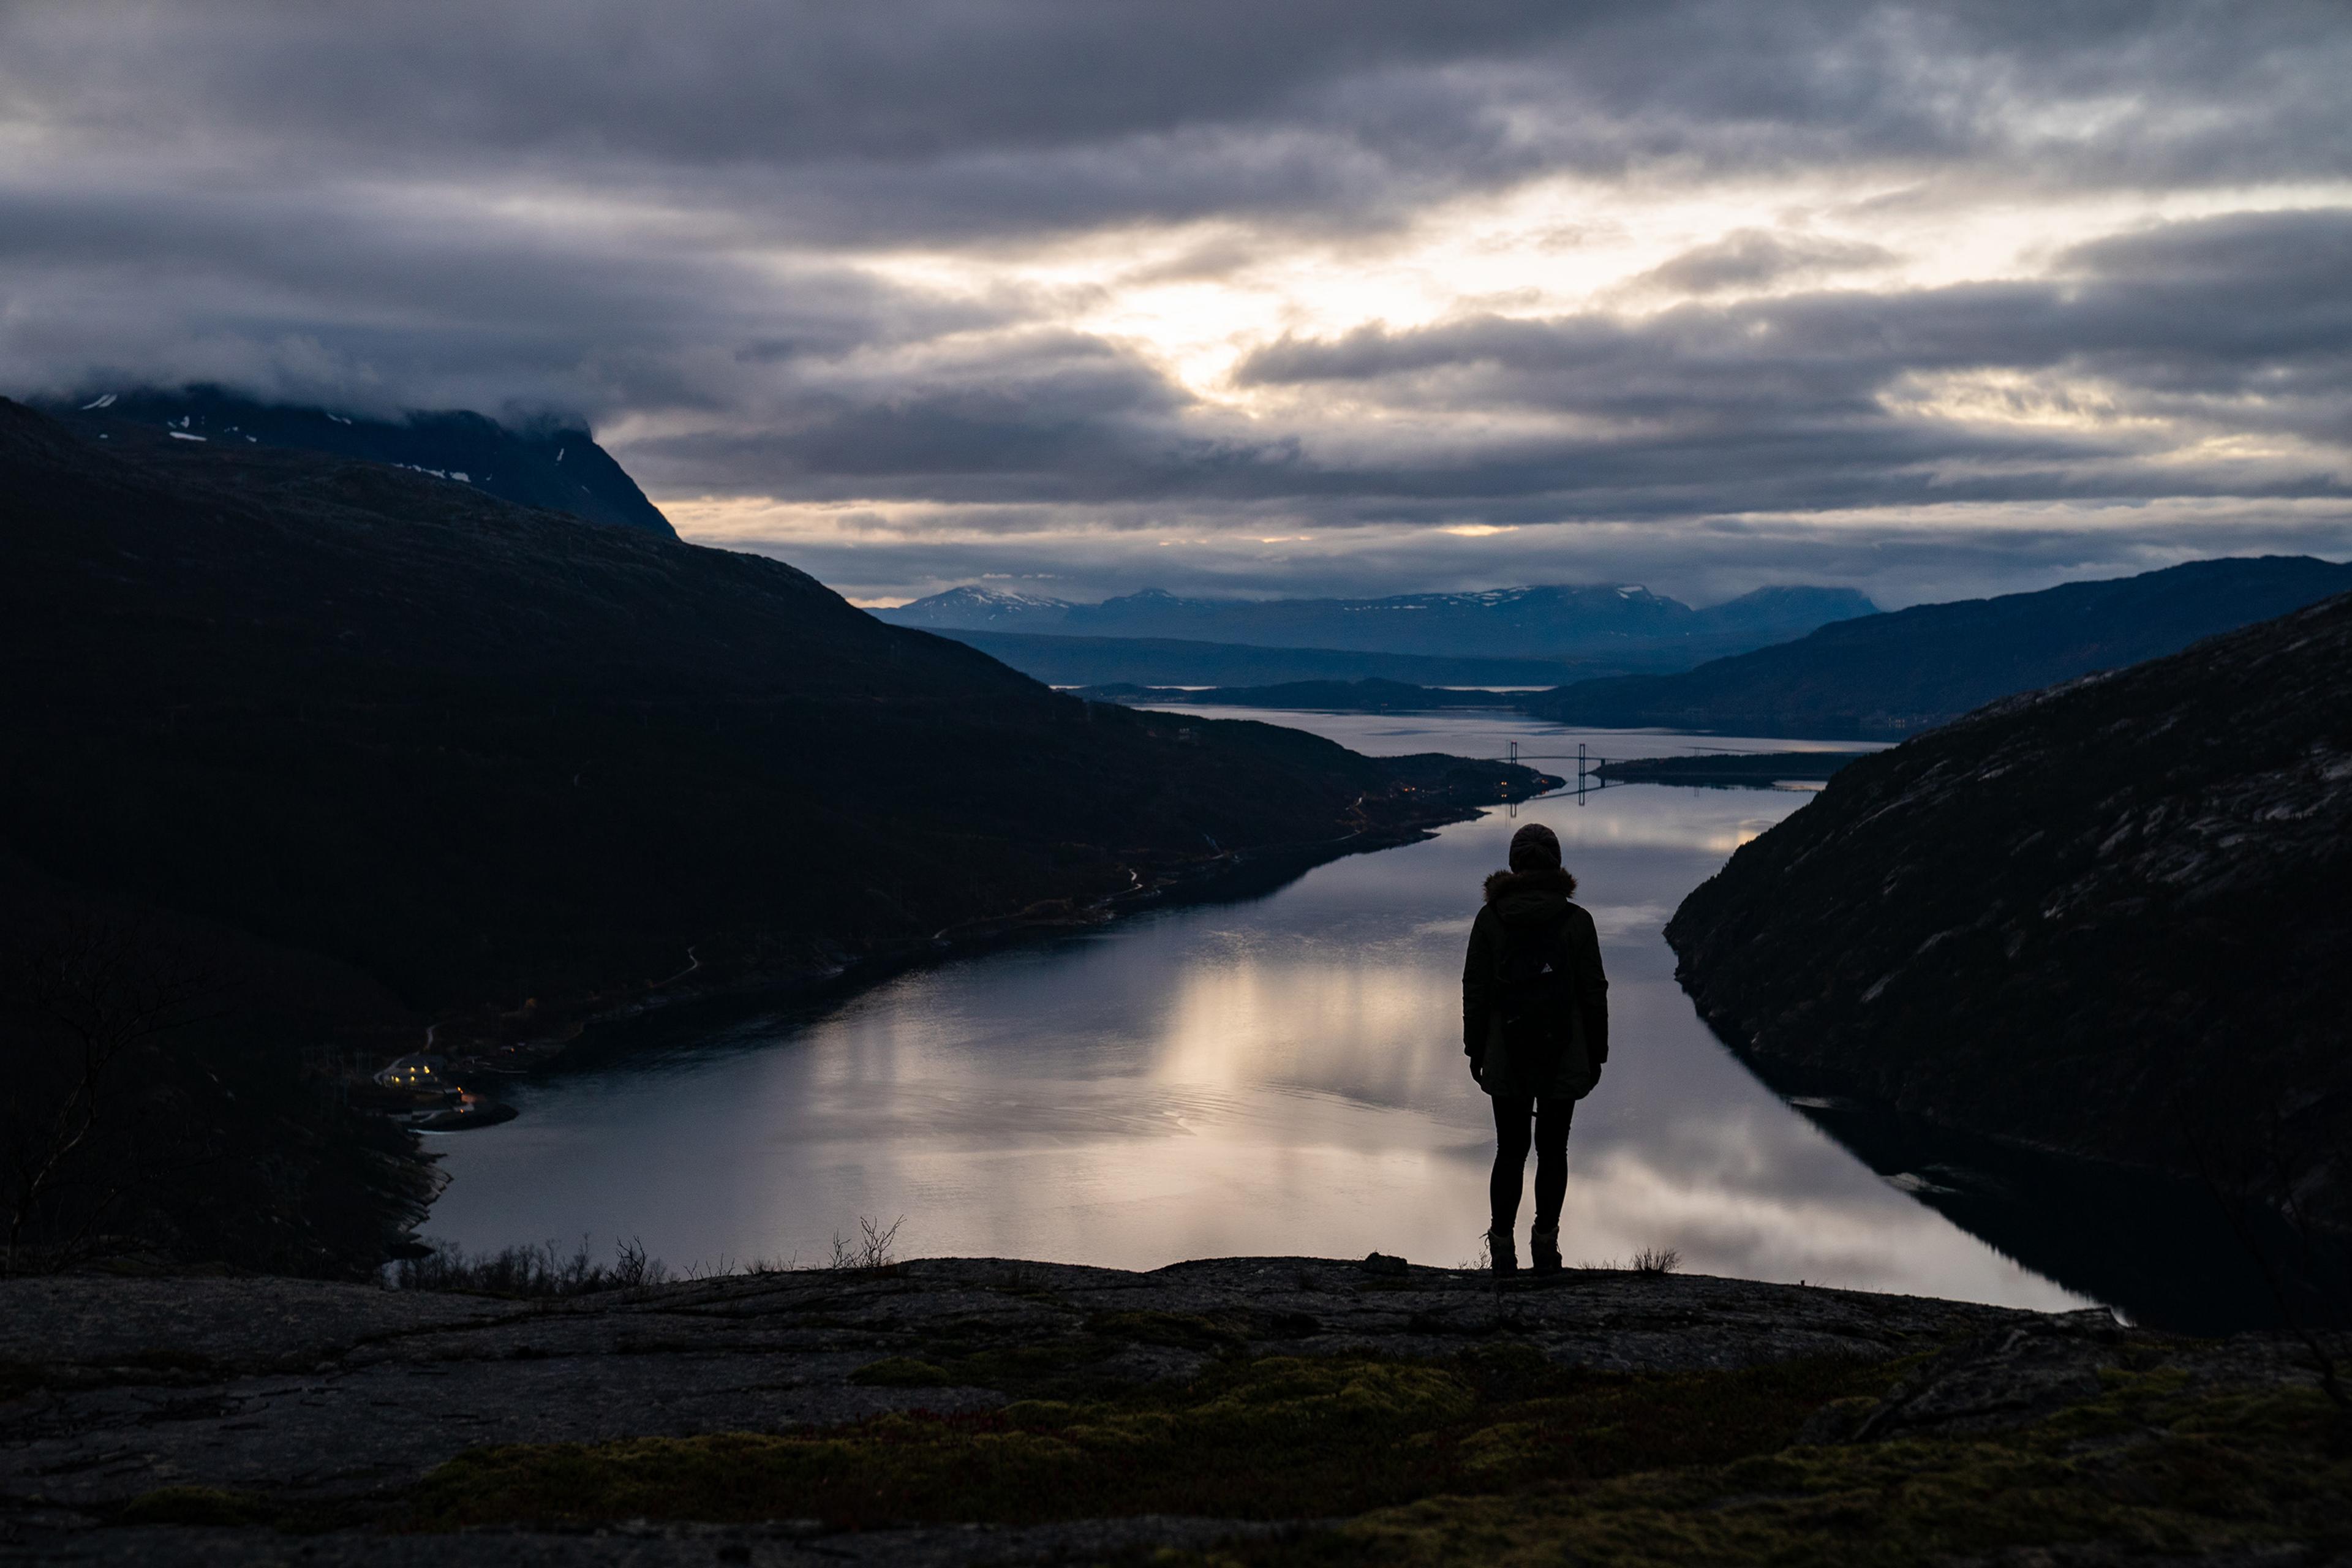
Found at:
(1254, 298)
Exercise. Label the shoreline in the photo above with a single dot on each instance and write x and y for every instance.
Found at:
(1227, 873)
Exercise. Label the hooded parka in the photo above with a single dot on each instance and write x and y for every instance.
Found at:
(1532, 898)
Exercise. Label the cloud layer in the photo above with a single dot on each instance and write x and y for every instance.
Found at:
(1267, 298)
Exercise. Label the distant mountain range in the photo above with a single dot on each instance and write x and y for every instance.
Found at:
(559, 469)
(1887, 676)
(974, 608)
(1594, 622)
(1173, 661)
(1878, 677)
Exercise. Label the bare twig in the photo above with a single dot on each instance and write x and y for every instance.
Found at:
(871, 1248)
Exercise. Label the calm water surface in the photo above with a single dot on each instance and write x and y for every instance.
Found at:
(1280, 1076)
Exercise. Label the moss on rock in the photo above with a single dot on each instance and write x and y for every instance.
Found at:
(2140, 1472)
(1270, 1438)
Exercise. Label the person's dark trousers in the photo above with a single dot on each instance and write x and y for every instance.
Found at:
(1516, 1122)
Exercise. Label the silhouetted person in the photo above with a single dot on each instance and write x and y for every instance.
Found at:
(1535, 1024)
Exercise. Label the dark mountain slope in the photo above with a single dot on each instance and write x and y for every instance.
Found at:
(1884, 676)
(560, 468)
(483, 754)
(2111, 919)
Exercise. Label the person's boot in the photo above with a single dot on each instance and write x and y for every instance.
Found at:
(1544, 1247)
(1500, 1252)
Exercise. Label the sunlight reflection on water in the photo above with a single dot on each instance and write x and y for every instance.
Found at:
(1281, 1076)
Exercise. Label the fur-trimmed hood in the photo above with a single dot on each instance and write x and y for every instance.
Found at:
(1502, 885)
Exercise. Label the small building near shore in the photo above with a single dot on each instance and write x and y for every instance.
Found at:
(415, 1072)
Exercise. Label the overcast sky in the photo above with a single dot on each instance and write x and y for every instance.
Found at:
(1255, 296)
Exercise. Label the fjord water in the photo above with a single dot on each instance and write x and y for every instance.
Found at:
(1277, 1076)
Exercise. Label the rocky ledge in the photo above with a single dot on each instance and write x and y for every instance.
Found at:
(1250, 1410)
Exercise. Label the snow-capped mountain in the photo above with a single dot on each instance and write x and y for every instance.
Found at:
(974, 608)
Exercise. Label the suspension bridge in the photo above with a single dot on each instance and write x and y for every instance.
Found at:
(1589, 777)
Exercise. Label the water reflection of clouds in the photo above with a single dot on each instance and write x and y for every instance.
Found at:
(1623, 919)
(1363, 1030)
(1279, 1076)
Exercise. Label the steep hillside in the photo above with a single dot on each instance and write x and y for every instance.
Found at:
(481, 754)
(560, 468)
(2109, 919)
(1884, 676)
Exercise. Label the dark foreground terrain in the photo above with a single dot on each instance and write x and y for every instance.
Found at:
(2110, 919)
(1266, 1411)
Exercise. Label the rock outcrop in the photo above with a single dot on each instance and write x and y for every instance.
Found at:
(981, 1411)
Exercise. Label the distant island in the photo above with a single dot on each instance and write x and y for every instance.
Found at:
(1369, 696)
(1717, 768)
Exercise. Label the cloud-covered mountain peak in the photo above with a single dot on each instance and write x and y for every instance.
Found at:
(1275, 299)
(555, 464)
